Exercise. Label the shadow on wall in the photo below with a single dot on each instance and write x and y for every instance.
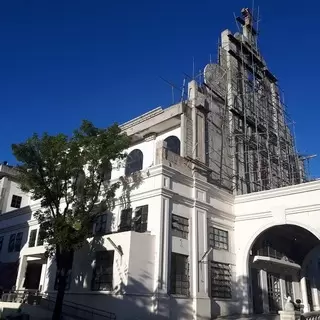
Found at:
(132, 297)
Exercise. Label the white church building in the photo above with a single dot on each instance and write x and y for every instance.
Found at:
(215, 217)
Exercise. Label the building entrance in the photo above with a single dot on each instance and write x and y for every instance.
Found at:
(274, 292)
(276, 260)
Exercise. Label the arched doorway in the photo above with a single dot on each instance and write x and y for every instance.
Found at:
(276, 258)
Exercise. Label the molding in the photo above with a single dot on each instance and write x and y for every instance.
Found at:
(253, 216)
(19, 226)
(214, 223)
(302, 209)
(279, 192)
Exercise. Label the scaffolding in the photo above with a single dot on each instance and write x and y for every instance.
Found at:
(249, 142)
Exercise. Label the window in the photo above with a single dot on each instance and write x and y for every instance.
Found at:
(15, 242)
(218, 239)
(1, 242)
(11, 242)
(179, 274)
(220, 280)
(103, 271)
(141, 219)
(125, 220)
(41, 237)
(180, 226)
(101, 224)
(68, 281)
(173, 144)
(16, 201)
(17, 245)
(134, 162)
(32, 238)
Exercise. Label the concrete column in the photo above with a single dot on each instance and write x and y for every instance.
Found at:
(283, 292)
(304, 295)
(21, 272)
(201, 300)
(162, 261)
(264, 291)
(315, 296)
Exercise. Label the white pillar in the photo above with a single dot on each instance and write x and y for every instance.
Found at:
(264, 290)
(21, 272)
(315, 296)
(283, 291)
(201, 300)
(304, 294)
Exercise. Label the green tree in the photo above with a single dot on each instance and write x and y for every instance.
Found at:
(69, 175)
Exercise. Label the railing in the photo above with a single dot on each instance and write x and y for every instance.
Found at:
(273, 253)
(79, 311)
(22, 296)
(314, 315)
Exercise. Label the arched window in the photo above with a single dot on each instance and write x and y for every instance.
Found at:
(134, 162)
(173, 144)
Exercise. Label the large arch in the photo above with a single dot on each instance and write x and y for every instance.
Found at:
(273, 254)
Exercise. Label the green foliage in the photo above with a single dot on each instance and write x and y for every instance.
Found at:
(68, 175)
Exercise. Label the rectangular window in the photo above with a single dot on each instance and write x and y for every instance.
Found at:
(179, 274)
(125, 220)
(180, 226)
(220, 280)
(101, 224)
(32, 238)
(17, 245)
(103, 271)
(16, 201)
(11, 242)
(68, 281)
(41, 236)
(218, 239)
(1, 242)
(141, 219)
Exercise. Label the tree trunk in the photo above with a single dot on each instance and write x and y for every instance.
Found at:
(64, 260)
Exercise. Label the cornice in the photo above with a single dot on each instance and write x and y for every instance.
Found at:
(253, 216)
(279, 192)
(302, 209)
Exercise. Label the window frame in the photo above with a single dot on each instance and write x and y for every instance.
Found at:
(173, 144)
(11, 243)
(40, 237)
(182, 222)
(100, 225)
(140, 219)
(134, 162)
(32, 233)
(224, 282)
(216, 236)
(125, 222)
(179, 281)
(107, 272)
(16, 201)
(18, 241)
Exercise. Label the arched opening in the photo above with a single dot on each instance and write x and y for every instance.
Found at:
(276, 258)
(134, 162)
(173, 144)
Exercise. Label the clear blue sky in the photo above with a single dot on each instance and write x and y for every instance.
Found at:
(66, 60)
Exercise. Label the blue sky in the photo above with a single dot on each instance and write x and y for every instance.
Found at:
(63, 61)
